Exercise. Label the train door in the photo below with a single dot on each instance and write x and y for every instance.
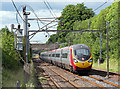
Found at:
(71, 60)
(52, 58)
(64, 58)
(55, 58)
(58, 58)
(69, 57)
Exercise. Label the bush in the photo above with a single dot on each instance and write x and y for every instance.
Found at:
(10, 59)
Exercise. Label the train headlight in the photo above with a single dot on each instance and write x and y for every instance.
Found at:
(91, 60)
(75, 61)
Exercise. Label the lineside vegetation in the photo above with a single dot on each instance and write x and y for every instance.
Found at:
(77, 17)
(12, 65)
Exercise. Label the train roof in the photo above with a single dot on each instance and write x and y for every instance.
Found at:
(72, 46)
(80, 46)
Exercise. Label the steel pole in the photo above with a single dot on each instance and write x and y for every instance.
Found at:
(15, 38)
(26, 66)
(100, 45)
(107, 49)
(26, 37)
(25, 34)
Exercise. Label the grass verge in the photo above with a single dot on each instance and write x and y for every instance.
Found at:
(32, 80)
(9, 78)
(113, 65)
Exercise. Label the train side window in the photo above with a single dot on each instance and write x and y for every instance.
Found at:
(46, 55)
(75, 52)
(64, 55)
(53, 55)
(57, 55)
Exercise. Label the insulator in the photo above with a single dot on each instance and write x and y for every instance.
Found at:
(18, 26)
(12, 26)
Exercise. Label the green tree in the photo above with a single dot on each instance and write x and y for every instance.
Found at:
(70, 14)
(111, 14)
(10, 60)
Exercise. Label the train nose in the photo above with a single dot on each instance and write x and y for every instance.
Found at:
(83, 64)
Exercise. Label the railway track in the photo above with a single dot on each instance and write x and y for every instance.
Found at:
(87, 78)
(98, 82)
(59, 77)
(115, 84)
(100, 79)
(103, 73)
(59, 80)
(55, 80)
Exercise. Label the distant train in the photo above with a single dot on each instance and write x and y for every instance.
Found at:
(75, 58)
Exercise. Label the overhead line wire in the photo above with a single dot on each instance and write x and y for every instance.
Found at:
(34, 14)
(39, 30)
(21, 16)
(48, 23)
(17, 11)
(101, 5)
(43, 27)
(114, 36)
(49, 9)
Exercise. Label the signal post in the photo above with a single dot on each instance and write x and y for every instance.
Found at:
(26, 65)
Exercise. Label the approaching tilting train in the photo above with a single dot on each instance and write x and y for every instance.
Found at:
(75, 58)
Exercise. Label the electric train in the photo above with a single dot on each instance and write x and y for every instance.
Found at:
(76, 58)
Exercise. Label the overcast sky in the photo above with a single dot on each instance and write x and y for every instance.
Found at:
(8, 12)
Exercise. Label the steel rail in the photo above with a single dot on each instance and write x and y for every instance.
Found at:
(116, 74)
(85, 79)
(57, 86)
(81, 78)
(45, 73)
(116, 85)
(76, 86)
(55, 83)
